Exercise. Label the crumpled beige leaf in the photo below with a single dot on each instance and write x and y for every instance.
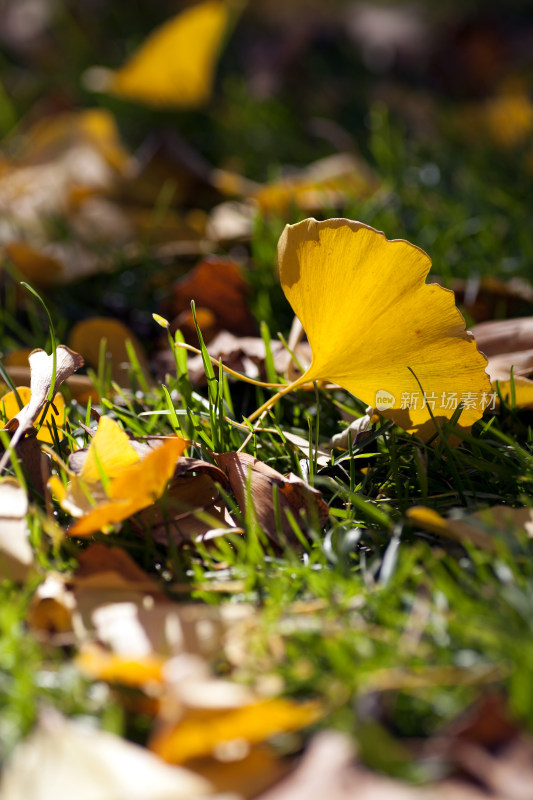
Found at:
(41, 365)
(63, 759)
(16, 554)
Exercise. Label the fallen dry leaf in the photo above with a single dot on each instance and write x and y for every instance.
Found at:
(50, 615)
(194, 511)
(103, 567)
(504, 336)
(41, 380)
(268, 488)
(204, 729)
(328, 769)
(16, 554)
(42, 376)
(370, 319)
(218, 285)
(132, 483)
(66, 759)
(246, 354)
(54, 416)
(326, 183)
(65, 162)
(478, 528)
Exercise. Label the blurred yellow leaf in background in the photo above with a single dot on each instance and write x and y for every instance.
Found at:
(175, 66)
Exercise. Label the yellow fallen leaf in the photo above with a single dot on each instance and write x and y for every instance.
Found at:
(203, 732)
(326, 183)
(86, 337)
(56, 412)
(478, 528)
(519, 392)
(35, 265)
(101, 665)
(374, 324)
(175, 66)
(110, 451)
(114, 483)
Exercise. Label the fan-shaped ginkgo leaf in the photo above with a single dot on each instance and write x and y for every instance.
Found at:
(175, 66)
(377, 329)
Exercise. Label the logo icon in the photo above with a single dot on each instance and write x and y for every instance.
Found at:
(384, 400)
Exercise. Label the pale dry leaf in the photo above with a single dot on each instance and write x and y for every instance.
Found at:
(63, 759)
(328, 770)
(52, 608)
(41, 366)
(326, 183)
(321, 456)
(16, 554)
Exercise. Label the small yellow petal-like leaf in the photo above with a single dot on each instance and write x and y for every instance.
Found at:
(374, 324)
(110, 451)
(200, 731)
(10, 408)
(134, 488)
(175, 66)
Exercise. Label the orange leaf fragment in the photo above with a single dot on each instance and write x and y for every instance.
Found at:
(201, 732)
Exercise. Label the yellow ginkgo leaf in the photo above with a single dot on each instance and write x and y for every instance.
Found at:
(377, 329)
(175, 66)
(56, 412)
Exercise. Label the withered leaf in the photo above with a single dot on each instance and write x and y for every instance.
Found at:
(41, 365)
(68, 759)
(217, 284)
(16, 555)
(42, 375)
(293, 495)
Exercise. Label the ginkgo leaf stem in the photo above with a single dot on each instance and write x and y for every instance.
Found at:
(274, 399)
(233, 372)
